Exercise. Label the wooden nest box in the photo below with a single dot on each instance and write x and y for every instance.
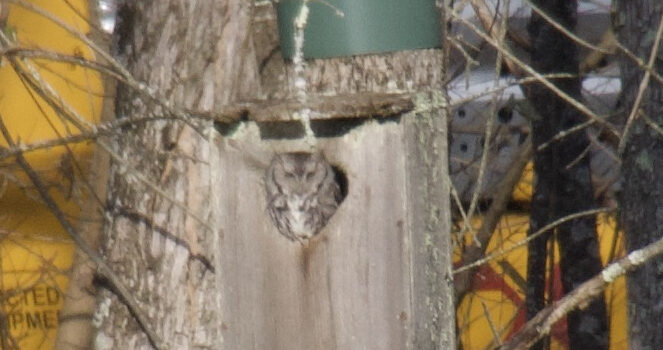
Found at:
(377, 276)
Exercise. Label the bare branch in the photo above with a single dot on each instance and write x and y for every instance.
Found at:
(500, 34)
(501, 251)
(60, 57)
(540, 325)
(64, 110)
(491, 218)
(102, 129)
(103, 269)
(565, 31)
(641, 89)
(529, 70)
(641, 64)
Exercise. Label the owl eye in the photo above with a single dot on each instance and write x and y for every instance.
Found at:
(308, 175)
(289, 175)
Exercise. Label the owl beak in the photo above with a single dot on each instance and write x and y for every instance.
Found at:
(300, 188)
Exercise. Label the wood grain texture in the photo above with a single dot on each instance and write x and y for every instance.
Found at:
(354, 105)
(376, 277)
(349, 286)
(390, 72)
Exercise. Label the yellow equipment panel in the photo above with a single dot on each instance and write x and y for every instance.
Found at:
(35, 252)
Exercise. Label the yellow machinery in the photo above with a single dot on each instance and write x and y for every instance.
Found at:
(35, 252)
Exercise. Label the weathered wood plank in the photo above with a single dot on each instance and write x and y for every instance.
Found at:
(345, 105)
(348, 287)
(429, 226)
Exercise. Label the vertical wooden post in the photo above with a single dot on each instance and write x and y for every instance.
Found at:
(428, 199)
(378, 276)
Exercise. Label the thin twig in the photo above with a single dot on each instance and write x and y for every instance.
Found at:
(541, 324)
(490, 219)
(564, 133)
(129, 80)
(466, 221)
(64, 110)
(102, 129)
(501, 251)
(500, 33)
(641, 89)
(486, 313)
(517, 82)
(102, 267)
(565, 31)
(529, 70)
(494, 28)
(651, 123)
(641, 64)
(60, 57)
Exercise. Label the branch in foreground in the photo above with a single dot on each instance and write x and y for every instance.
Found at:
(529, 70)
(503, 251)
(540, 325)
(473, 253)
(102, 268)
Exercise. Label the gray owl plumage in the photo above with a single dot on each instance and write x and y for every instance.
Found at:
(302, 193)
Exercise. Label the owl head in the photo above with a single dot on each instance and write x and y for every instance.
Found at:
(299, 173)
(302, 193)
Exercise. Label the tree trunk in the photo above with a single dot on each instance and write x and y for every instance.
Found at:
(641, 199)
(164, 245)
(563, 183)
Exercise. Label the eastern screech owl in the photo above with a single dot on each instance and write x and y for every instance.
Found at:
(302, 193)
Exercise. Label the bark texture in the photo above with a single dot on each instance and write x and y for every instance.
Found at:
(384, 73)
(636, 23)
(163, 243)
(563, 179)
